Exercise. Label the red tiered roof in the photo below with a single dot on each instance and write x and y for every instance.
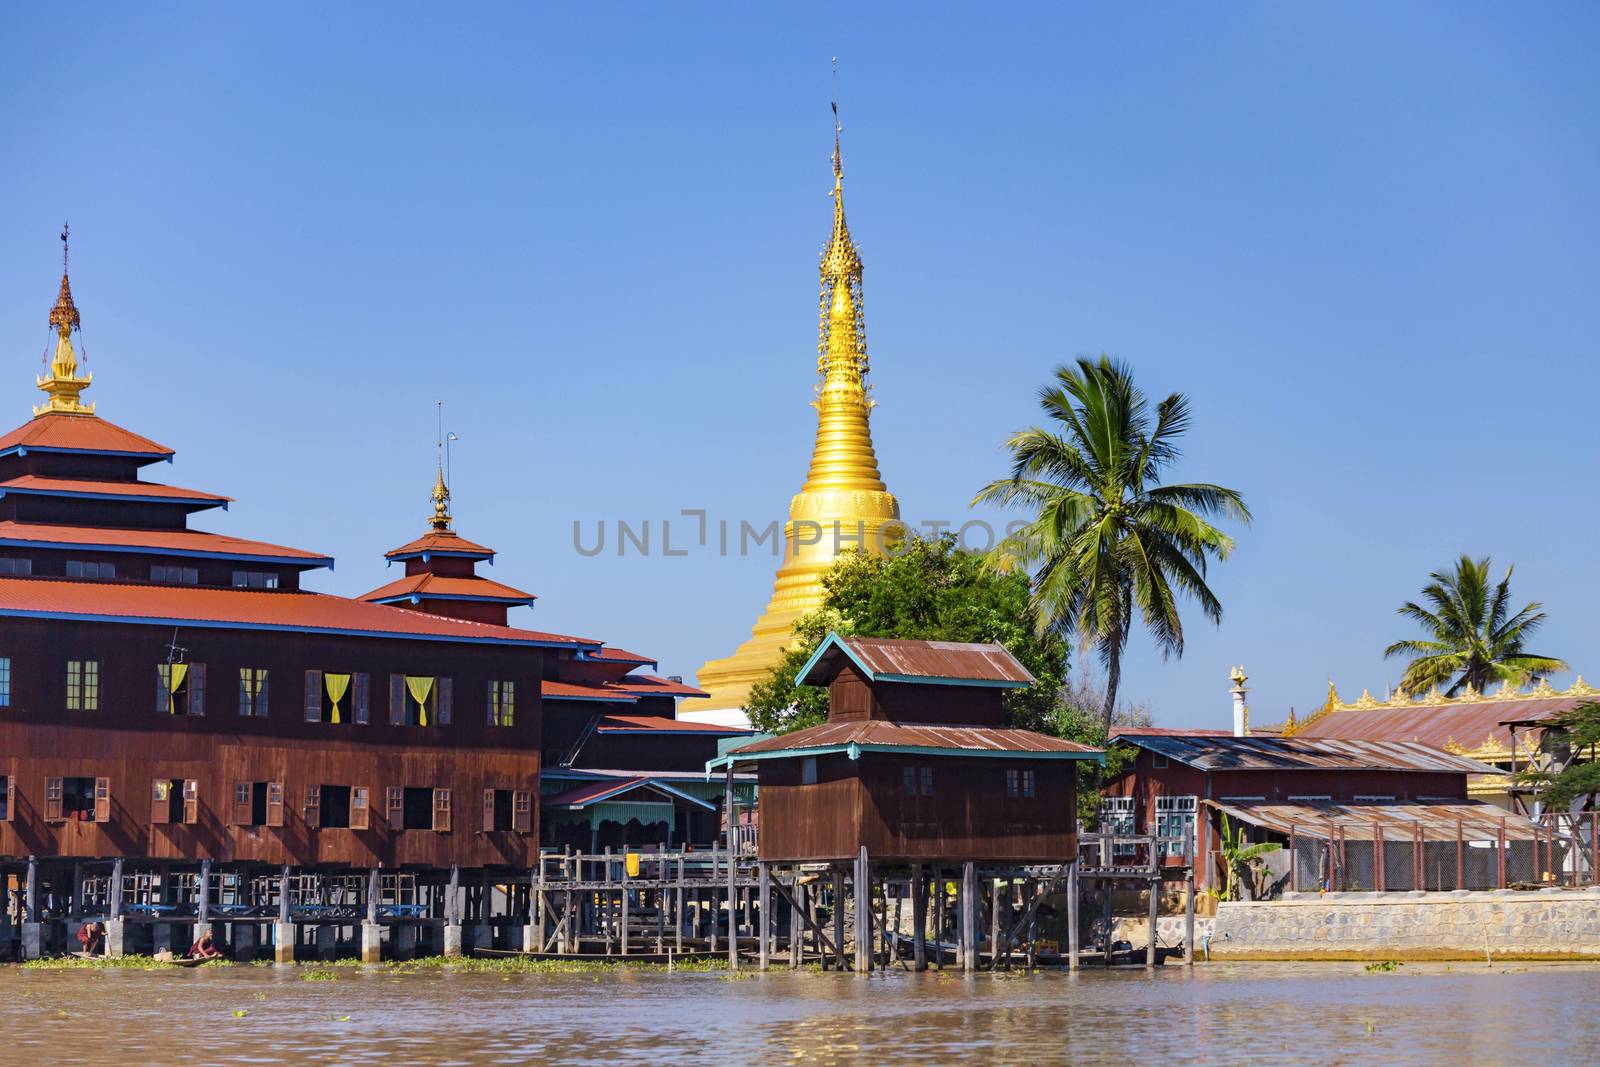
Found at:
(172, 542)
(657, 724)
(551, 689)
(56, 432)
(440, 542)
(201, 606)
(447, 588)
(150, 492)
(649, 685)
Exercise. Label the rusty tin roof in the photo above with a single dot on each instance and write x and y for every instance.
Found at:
(1395, 820)
(884, 659)
(1256, 753)
(880, 736)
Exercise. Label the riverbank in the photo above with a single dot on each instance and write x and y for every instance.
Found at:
(332, 969)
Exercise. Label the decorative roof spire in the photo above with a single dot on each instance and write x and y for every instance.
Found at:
(440, 521)
(842, 333)
(63, 386)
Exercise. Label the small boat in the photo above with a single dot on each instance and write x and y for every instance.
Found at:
(189, 961)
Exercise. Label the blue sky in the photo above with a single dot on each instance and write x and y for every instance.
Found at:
(1361, 238)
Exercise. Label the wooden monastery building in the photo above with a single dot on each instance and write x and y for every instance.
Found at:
(188, 736)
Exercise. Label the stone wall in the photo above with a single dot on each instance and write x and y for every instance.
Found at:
(1500, 924)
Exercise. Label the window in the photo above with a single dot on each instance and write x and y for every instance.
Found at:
(411, 808)
(161, 572)
(255, 580)
(1116, 815)
(808, 771)
(257, 804)
(77, 568)
(180, 689)
(8, 792)
(908, 780)
(507, 809)
(1372, 798)
(83, 685)
(1175, 820)
(1309, 798)
(16, 567)
(1158, 760)
(253, 691)
(502, 703)
(362, 709)
(335, 807)
(441, 810)
(1020, 782)
(5, 681)
(313, 696)
(419, 700)
(81, 799)
(175, 800)
(917, 780)
(927, 781)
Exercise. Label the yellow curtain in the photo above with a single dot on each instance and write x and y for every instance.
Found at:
(176, 672)
(338, 685)
(419, 688)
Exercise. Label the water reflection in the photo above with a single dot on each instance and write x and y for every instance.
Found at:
(1233, 1013)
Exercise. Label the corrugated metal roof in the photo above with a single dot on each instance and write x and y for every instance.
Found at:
(1396, 821)
(1210, 753)
(177, 542)
(647, 685)
(1467, 724)
(80, 433)
(553, 689)
(439, 541)
(888, 659)
(435, 585)
(882, 734)
(36, 484)
(660, 724)
(600, 792)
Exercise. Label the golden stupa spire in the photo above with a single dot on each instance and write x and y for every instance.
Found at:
(63, 386)
(843, 504)
(440, 522)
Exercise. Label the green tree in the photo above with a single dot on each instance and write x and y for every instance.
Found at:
(923, 589)
(1109, 541)
(1569, 734)
(1473, 637)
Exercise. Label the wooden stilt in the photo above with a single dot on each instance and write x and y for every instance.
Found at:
(764, 921)
(994, 925)
(969, 917)
(862, 891)
(1188, 919)
(1072, 916)
(919, 920)
(838, 918)
(797, 917)
(1155, 909)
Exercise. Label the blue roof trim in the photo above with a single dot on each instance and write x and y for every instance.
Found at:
(311, 563)
(855, 750)
(199, 503)
(208, 624)
(641, 661)
(417, 598)
(148, 457)
(833, 640)
(621, 698)
(629, 786)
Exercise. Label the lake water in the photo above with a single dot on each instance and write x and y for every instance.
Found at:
(1236, 1014)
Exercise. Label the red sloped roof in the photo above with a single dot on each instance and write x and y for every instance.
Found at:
(632, 724)
(178, 542)
(80, 433)
(882, 733)
(33, 483)
(1164, 731)
(554, 690)
(894, 659)
(618, 655)
(426, 585)
(439, 541)
(201, 606)
(650, 685)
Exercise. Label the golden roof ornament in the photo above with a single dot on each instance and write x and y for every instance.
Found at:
(441, 504)
(64, 385)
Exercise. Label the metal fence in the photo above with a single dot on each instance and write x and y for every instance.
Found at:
(1557, 850)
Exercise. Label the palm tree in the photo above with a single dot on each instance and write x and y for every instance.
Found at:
(1474, 638)
(1108, 539)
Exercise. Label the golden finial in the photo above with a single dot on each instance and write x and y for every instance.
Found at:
(441, 488)
(63, 386)
(842, 333)
(1238, 677)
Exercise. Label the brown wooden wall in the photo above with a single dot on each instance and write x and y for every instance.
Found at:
(133, 760)
(968, 816)
(852, 698)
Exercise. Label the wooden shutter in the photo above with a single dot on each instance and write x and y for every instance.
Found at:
(494, 703)
(397, 700)
(522, 811)
(52, 799)
(261, 692)
(9, 783)
(191, 801)
(274, 803)
(313, 801)
(441, 810)
(163, 673)
(102, 800)
(359, 807)
(445, 689)
(488, 811)
(363, 699)
(197, 689)
(241, 803)
(395, 806)
(313, 696)
(161, 801)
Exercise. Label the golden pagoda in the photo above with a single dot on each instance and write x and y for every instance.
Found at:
(843, 504)
(63, 386)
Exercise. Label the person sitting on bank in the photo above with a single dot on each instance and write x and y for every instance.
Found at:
(92, 936)
(205, 948)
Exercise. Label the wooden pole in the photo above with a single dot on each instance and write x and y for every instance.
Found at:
(203, 903)
(622, 895)
(1155, 909)
(838, 918)
(30, 892)
(764, 920)
(1188, 918)
(731, 811)
(994, 924)
(919, 920)
(797, 930)
(1072, 915)
(969, 917)
(677, 937)
(116, 888)
(372, 895)
(863, 898)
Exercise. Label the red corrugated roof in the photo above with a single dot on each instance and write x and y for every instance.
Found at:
(80, 433)
(554, 690)
(1164, 731)
(201, 606)
(426, 585)
(32, 483)
(1209, 752)
(1468, 724)
(872, 733)
(661, 724)
(889, 659)
(184, 542)
(619, 656)
(650, 685)
(436, 541)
